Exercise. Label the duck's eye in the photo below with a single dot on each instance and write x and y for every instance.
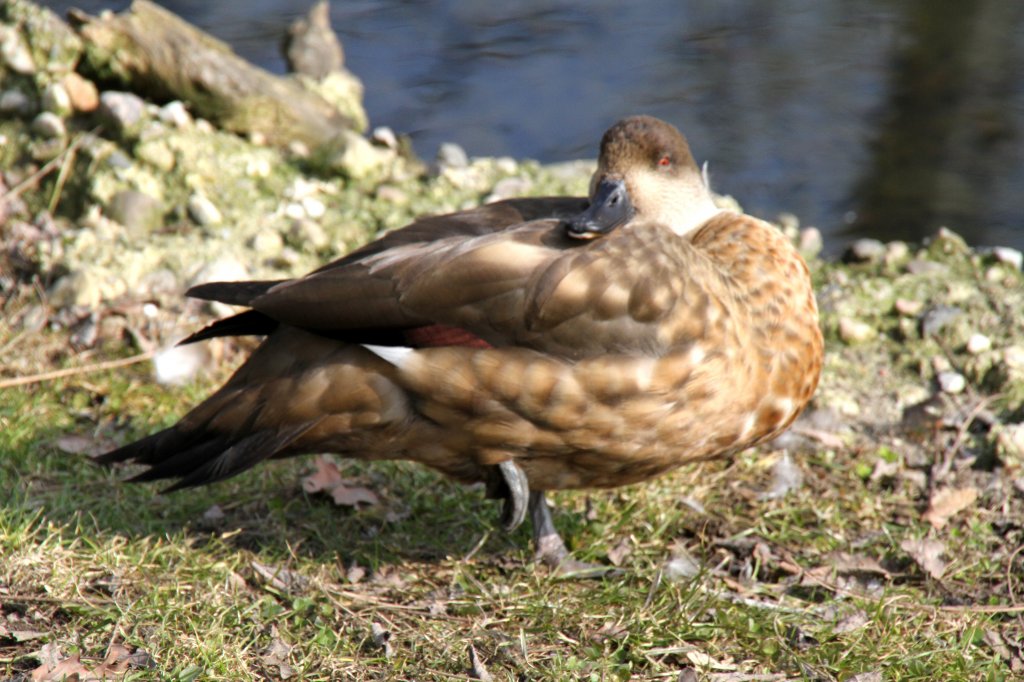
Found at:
(664, 162)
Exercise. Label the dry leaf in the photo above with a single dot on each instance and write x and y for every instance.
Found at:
(851, 622)
(355, 573)
(926, 553)
(77, 444)
(345, 496)
(620, 551)
(276, 655)
(845, 562)
(280, 578)
(947, 502)
(327, 479)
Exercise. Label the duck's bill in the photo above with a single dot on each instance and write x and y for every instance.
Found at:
(609, 209)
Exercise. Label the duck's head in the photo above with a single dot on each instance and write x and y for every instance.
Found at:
(645, 171)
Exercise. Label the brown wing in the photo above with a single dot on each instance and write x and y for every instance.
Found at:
(529, 286)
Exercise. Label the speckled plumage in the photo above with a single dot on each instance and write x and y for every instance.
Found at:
(686, 334)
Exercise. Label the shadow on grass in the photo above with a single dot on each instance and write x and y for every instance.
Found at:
(423, 517)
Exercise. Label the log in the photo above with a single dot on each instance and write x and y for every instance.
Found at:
(156, 52)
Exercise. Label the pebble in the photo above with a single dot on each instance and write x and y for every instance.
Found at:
(896, 252)
(1013, 357)
(938, 318)
(55, 98)
(951, 382)
(14, 51)
(392, 195)
(810, 242)
(506, 188)
(1011, 437)
(908, 307)
(451, 155)
(267, 243)
(854, 331)
(175, 114)
(82, 92)
(140, 213)
(385, 137)
(203, 211)
(314, 207)
(14, 102)
(177, 365)
(294, 210)
(865, 251)
(978, 343)
(1004, 254)
(308, 233)
(49, 124)
(919, 266)
(122, 109)
(224, 269)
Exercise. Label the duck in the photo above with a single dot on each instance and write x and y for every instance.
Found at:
(532, 344)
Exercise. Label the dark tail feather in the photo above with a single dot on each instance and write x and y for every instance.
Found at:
(234, 293)
(249, 323)
(201, 457)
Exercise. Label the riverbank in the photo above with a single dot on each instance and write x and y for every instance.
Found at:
(885, 541)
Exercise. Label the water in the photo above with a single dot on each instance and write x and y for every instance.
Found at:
(865, 119)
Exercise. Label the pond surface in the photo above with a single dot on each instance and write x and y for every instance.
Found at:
(865, 119)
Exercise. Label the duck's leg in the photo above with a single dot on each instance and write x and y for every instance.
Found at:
(550, 549)
(511, 485)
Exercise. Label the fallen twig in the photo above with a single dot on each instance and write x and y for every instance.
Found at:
(72, 371)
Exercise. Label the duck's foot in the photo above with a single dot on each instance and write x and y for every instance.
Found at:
(514, 488)
(550, 549)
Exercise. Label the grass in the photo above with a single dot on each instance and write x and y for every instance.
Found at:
(811, 586)
(254, 579)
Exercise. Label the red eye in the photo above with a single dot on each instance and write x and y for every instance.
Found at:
(664, 162)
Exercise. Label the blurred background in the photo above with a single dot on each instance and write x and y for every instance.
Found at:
(873, 118)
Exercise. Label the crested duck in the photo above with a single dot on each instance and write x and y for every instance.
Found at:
(531, 344)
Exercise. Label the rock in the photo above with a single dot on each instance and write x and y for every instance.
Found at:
(203, 211)
(313, 207)
(177, 365)
(978, 343)
(385, 137)
(267, 244)
(175, 114)
(810, 242)
(224, 269)
(82, 93)
(451, 155)
(155, 151)
(312, 48)
(926, 267)
(896, 252)
(1013, 357)
(15, 52)
(345, 91)
(506, 188)
(49, 124)
(951, 382)
(123, 111)
(1004, 254)
(307, 234)
(907, 307)
(140, 213)
(392, 195)
(356, 158)
(1011, 439)
(854, 331)
(55, 98)
(14, 102)
(938, 318)
(865, 251)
